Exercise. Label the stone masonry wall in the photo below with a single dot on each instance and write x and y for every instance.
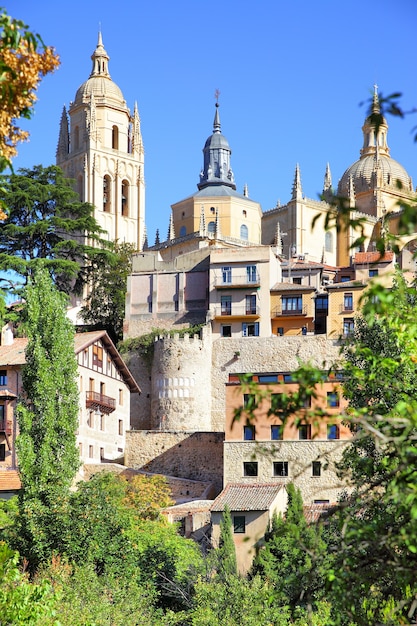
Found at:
(193, 455)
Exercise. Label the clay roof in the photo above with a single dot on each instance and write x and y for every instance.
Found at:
(373, 257)
(9, 480)
(292, 287)
(14, 354)
(247, 497)
(314, 512)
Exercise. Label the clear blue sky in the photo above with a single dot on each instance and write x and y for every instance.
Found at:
(291, 75)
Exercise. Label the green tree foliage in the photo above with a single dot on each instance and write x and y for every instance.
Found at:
(226, 552)
(47, 221)
(374, 575)
(293, 556)
(47, 414)
(105, 304)
(22, 602)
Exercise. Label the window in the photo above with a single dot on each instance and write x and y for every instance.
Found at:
(226, 331)
(373, 273)
(211, 228)
(121, 397)
(333, 431)
(2, 414)
(120, 427)
(244, 232)
(304, 432)
(333, 399)
(226, 305)
(249, 400)
(348, 302)
(251, 305)
(268, 378)
(106, 193)
(276, 432)
(250, 330)
(322, 303)
(345, 279)
(250, 468)
(101, 454)
(288, 378)
(226, 275)
(249, 432)
(292, 304)
(348, 327)
(281, 468)
(183, 231)
(275, 401)
(91, 451)
(316, 468)
(125, 198)
(3, 378)
(328, 242)
(2, 451)
(80, 449)
(115, 138)
(90, 419)
(297, 280)
(102, 421)
(239, 523)
(97, 356)
(251, 273)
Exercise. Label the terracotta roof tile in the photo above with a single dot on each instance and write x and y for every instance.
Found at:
(247, 497)
(373, 257)
(9, 480)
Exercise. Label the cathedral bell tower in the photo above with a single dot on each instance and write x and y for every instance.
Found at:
(100, 147)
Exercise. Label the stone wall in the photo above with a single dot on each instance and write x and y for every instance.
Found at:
(192, 455)
(299, 455)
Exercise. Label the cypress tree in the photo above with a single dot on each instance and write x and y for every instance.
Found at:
(226, 552)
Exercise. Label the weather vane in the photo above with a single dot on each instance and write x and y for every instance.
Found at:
(216, 95)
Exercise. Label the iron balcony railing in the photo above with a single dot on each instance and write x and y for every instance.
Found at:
(237, 310)
(279, 311)
(98, 401)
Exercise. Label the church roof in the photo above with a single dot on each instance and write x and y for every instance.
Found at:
(217, 168)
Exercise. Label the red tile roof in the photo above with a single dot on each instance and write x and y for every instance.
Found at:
(9, 480)
(373, 257)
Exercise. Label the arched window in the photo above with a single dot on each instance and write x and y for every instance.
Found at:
(211, 228)
(183, 231)
(76, 138)
(115, 138)
(244, 232)
(107, 194)
(328, 242)
(125, 198)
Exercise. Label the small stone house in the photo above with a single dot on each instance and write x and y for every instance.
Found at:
(252, 507)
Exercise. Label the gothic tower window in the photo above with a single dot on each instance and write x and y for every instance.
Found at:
(211, 228)
(244, 232)
(76, 138)
(125, 198)
(115, 138)
(107, 194)
(328, 242)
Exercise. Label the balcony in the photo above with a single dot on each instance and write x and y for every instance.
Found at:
(298, 312)
(99, 402)
(6, 427)
(236, 281)
(236, 310)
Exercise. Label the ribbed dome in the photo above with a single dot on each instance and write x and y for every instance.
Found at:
(364, 174)
(216, 141)
(99, 87)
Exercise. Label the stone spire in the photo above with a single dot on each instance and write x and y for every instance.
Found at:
(217, 168)
(171, 230)
(217, 230)
(278, 239)
(100, 60)
(245, 191)
(375, 131)
(137, 145)
(327, 185)
(297, 192)
(351, 192)
(63, 140)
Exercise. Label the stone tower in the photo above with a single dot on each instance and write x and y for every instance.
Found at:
(100, 147)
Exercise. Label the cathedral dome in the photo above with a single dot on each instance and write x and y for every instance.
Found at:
(363, 173)
(99, 84)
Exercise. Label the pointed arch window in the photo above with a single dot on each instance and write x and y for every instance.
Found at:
(244, 232)
(125, 198)
(76, 138)
(107, 194)
(115, 138)
(328, 242)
